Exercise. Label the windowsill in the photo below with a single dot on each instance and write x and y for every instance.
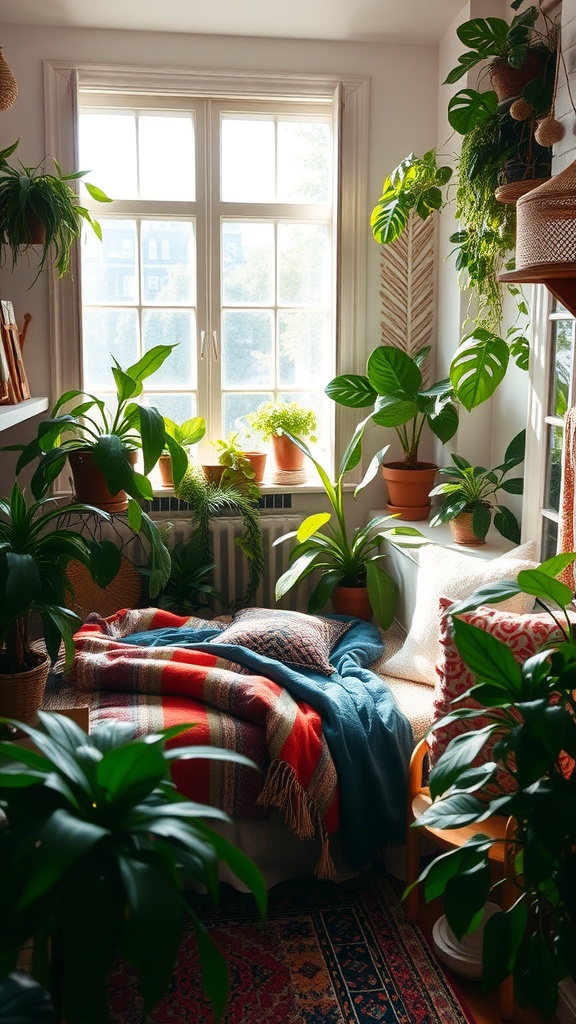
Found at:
(310, 487)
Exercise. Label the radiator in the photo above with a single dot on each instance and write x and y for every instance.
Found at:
(231, 573)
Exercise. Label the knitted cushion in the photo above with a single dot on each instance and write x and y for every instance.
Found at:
(289, 637)
(444, 572)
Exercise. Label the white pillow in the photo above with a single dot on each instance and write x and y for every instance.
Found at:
(444, 572)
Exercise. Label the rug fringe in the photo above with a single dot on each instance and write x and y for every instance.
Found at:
(283, 791)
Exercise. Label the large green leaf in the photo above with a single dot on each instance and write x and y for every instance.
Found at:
(465, 896)
(153, 434)
(61, 842)
(352, 390)
(460, 752)
(444, 423)
(389, 218)
(23, 581)
(295, 573)
(111, 456)
(132, 770)
(470, 108)
(486, 35)
(150, 362)
(478, 367)
(383, 594)
(488, 658)
(540, 584)
(179, 460)
(393, 372)
(457, 810)
(490, 593)
(309, 526)
(394, 411)
(503, 934)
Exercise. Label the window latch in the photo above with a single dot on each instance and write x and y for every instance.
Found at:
(215, 345)
(202, 343)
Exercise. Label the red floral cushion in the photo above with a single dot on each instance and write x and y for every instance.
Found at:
(523, 634)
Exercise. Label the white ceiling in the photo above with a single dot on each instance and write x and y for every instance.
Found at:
(422, 21)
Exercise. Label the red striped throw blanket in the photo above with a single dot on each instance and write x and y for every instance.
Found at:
(227, 706)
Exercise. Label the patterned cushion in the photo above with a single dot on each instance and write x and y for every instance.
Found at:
(290, 637)
(443, 572)
(523, 634)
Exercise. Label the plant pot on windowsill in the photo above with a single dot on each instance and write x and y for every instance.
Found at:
(463, 532)
(258, 462)
(287, 456)
(409, 489)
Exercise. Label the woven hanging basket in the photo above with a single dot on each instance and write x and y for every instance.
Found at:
(546, 222)
(123, 592)
(513, 190)
(8, 85)
(21, 694)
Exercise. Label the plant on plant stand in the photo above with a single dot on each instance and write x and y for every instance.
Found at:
(393, 385)
(350, 571)
(96, 851)
(469, 494)
(274, 421)
(531, 713)
(38, 208)
(33, 559)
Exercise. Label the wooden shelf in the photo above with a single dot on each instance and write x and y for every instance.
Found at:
(559, 278)
(10, 415)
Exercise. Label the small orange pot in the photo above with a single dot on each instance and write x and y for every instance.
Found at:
(352, 601)
(165, 468)
(213, 474)
(287, 456)
(462, 532)
(258, 461)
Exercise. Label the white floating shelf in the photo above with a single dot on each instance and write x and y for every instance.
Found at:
(10, 415)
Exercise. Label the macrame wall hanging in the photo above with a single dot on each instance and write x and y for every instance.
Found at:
(8, 85)
(407, 273)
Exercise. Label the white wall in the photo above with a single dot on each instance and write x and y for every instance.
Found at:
(402, 118)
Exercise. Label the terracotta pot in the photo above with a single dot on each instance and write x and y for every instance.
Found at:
(287, 456)
(258, 461)
(462, 532)
(165, 467)
(21, 694)
(352, 601)
(90, 484)
(409, 489)
(213, 474)
(35, 230)
(508, 82)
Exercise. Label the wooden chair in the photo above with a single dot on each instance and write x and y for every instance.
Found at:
(501, 854)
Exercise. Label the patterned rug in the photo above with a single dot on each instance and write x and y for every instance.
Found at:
(327, 954)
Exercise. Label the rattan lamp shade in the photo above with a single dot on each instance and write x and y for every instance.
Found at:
(123, 592)
(546, 222)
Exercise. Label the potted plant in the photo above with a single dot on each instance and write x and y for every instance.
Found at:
(238, 462)
(393, 385)
(189, 588)
(274, 421)
(350, 571)
(469, 495)
(185, 434)
(530, 710)
(232, 496)
(101, 445)
(34, 552)
(38, 208)
(414, 186)
(104, 869)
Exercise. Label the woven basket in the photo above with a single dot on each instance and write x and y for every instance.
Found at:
(546, 222)
(462, 532)
(21, 694)
(513, 190)
(8, 85)
(508, 82)
(123, 592)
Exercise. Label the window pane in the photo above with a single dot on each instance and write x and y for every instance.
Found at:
(177, 407)
(107, 333)
(303, 264)
(107, 145)
(248, 348)
(553, 468)
(168, 262)
(248, 160)
(549, 539)
(235, 407)
(304, 162)
(109, 270)
(560, 381)
(172, 327)
(167, 142)
(247, 263)
(304, 349)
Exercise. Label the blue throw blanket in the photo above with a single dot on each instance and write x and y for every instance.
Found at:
(369, 739)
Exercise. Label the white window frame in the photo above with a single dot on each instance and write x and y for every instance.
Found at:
(61, 83)
(534, 509)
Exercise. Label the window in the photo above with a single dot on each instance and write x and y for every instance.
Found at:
(552, 393)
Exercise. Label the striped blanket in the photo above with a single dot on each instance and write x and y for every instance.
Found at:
(227, 706)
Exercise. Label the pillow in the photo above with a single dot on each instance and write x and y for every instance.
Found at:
(292, 638)
(523, 634)
(443, 572)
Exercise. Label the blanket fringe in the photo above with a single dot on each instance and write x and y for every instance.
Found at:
(283, 791)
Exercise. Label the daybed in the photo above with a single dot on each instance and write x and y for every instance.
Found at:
(333, 747)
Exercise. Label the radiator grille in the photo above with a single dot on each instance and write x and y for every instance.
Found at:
(231, 573)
